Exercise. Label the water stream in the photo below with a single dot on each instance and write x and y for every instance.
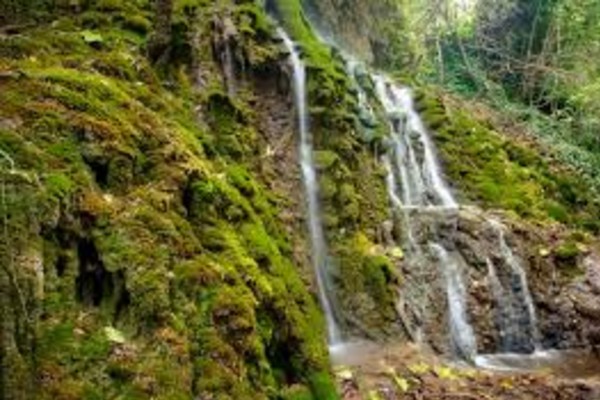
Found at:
(418, 192)
(319, 249)
(420, 176)
(462, 337)
(516, 315)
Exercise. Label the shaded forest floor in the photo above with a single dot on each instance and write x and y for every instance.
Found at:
(406, 372)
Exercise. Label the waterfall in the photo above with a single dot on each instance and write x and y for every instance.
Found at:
(461, 332)
(320, 254)
(516, 315)
(420, 174)
(420, 196)
(412, 162)
(229, 69)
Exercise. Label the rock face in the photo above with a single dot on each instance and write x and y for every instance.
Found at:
(356, 25)
(564, 303)
(518, 299)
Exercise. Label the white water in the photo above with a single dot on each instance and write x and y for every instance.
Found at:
(320, 254)
(423, 190)
(519, 332)
(415, 159)
(229, 70)
(461, 332)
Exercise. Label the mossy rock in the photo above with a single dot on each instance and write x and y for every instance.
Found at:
(567, 252)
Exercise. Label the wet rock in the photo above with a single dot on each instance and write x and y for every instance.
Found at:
(587, 304)
(592, 266)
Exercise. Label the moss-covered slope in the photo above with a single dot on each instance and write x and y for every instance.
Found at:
(499, 167)
(144, 253)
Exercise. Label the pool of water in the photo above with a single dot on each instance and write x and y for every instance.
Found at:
(570, 364)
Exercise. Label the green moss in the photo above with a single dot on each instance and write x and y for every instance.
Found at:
(557, 212)
(328, 187)
(137, 23)
(59, 185)
(325, 159)
(379, 275)
(368, 285)
(322, 386)
(502, 173)
(297, 393)
(109, 5)
(567, 252)
(153, 223)
(295, 22)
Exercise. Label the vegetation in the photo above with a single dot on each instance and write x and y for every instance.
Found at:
(144, 258)
(532, 60)
(506, 172)
(153, 238)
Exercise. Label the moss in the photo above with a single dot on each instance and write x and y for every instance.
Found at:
(322, 386)
(59, 185)
(502, 173)
(109, 5)
(368, 286)
(137, 23)
(379, 275)
(557, 212)
(566, 257)
(567, 252)
(325, 159)
(350, 202)
(328, 187)
(297, 393)
(152, 223)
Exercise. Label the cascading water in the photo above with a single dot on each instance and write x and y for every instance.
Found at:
(419, 194)
(320, 254)
(229, 70)
(416, 188)
(422, 183)
(461, 332)
(422, 189)
(516, 316)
